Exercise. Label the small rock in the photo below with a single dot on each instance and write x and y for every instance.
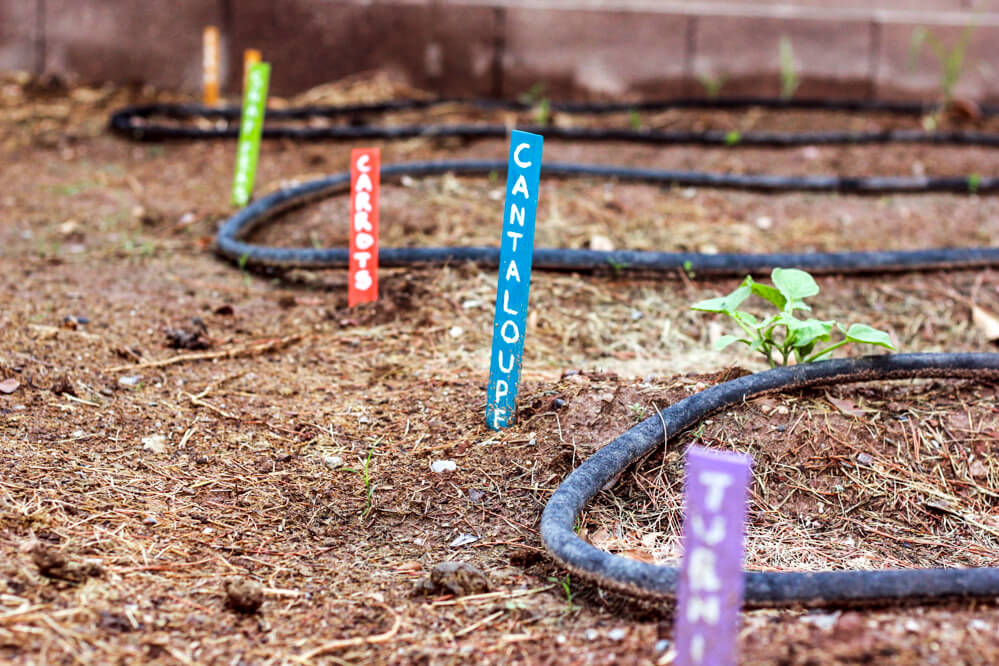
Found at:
(53, 564)
(617, 634)
(458, 578)
(471, 303)
(601, 243)
(9, 385)
(661, 646)
(243, 595)
(155, 443)
(764, 222)
(150, 520)
(441, 466)
(978, 469)
(464, 540)
(333, 462)
(864, 459)
(591, 634)
(456, 331)
(824, 621)
(193, 337)
(130, 380)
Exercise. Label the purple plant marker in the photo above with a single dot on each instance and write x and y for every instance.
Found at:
(709, 591)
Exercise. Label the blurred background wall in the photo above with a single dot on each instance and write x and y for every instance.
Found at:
(578, 49)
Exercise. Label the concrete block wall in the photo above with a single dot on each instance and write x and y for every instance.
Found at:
(579, 49)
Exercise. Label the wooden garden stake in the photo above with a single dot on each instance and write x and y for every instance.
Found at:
(516, 252)
(365, 179)
(210, 65)
(710, 589)
(250, 58)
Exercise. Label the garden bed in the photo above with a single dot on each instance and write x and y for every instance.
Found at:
(249, 463)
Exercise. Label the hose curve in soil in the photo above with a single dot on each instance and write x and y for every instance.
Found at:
(824, 588)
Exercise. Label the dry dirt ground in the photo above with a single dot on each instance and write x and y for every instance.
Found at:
(202, 465)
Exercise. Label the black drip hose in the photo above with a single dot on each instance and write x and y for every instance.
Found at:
(825, 588)
(230, 243)
(134, 122)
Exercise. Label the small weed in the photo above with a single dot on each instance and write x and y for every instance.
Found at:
(317, 244)
(974, 181)
(566, 585)
(365, 472)
(634, 119)
(536, 98)
(712, 84)
(783, 333)
(242, 267)
(788, 74)
(951, 60)
(733, 137)
(616, 266)
(688, 268)
(637, 411)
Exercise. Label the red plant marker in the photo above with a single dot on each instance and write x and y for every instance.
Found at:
(365, 164)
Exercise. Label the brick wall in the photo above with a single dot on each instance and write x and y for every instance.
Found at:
(576, 48)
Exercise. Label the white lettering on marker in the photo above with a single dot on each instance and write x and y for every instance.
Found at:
(512, 270)
(362, 259)
(521, 186)
(708, 610)
(363, 241)
(363, 183)
(362, 163)
(516, 156)
(516, 215)
(514, 336)
(506, 303)
(711, 537)
(702, 570)
(509, 368)
(716, 482)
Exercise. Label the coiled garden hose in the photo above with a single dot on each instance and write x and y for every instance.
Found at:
(230, 241)
(657, 583)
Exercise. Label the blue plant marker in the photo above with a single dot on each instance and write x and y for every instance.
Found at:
(710, 589)
(523, 177)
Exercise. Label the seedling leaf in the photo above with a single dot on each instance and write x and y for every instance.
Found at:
(868, 335)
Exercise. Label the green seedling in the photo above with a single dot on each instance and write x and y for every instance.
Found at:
(243, 258)
(637, 411)
(688, 268)
(951, 60)
(788, 74)
(974, 182)
(535, 97)
(566, 585)
(617, 266)
(365, 473)
(712, 84)
(634, 119)
(733, 137)
(782, 337)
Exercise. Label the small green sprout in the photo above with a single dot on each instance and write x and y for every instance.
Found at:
(788, 74)
(634, 119)
(712, 84)
(566, 585)
(733, 137)
(783, 333)
(951, 60)
(974, 181)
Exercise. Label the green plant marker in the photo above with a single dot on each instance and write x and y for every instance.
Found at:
(251, 126)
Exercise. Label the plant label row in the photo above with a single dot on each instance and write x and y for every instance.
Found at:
(210, 65)
(516, 252)
(251, 126)
(710, 590)
(362, 278)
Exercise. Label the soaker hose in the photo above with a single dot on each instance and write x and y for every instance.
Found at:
(657, 583)
(135, 122)
(230, 241)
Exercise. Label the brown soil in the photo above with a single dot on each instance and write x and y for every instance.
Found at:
(266, 494)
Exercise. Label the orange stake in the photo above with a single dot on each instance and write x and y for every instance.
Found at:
(210, 65)
(250, 58)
